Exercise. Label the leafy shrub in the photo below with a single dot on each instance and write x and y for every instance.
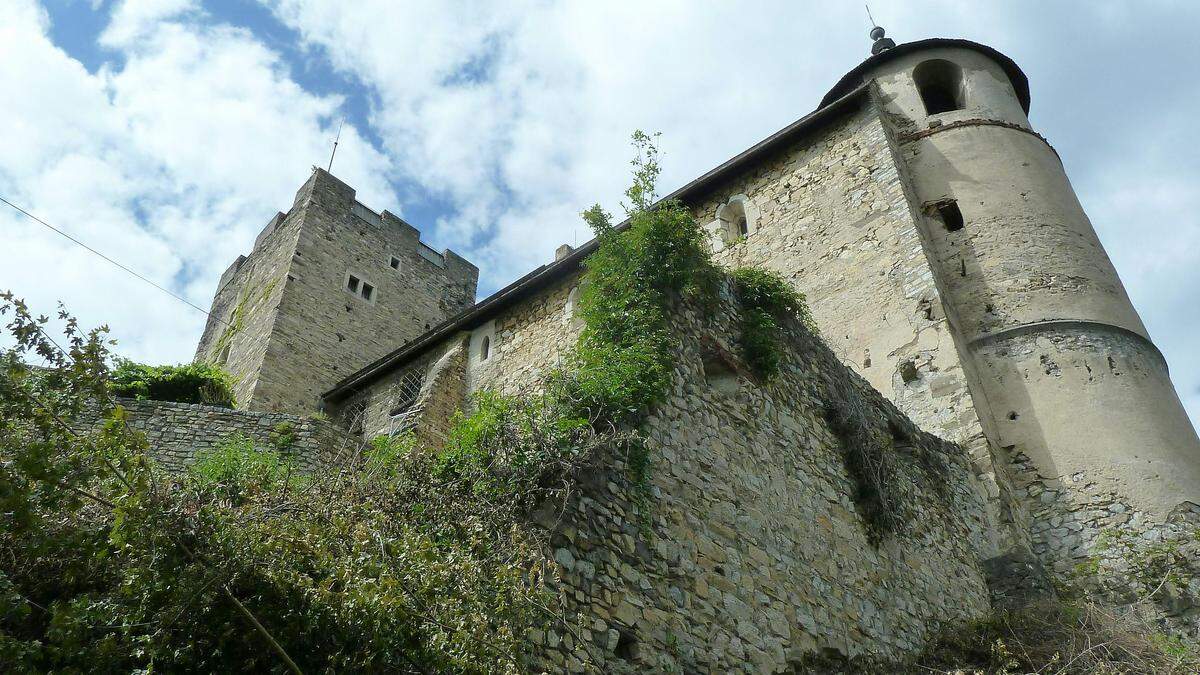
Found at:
(237, 465)
(767, 301)
(188, 383)
(624, 358)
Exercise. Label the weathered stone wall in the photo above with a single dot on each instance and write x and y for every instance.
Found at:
(303, 330)
(242, 316)
(752, 553)
(526, 342)
(832, 215)
(178, 433)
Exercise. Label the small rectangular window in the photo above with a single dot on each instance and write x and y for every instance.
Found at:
(395, 263)
(367, 291)
(950, 216)
(352, 283)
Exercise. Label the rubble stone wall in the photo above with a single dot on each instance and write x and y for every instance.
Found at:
(831, 214)
(751, 553)
(178, 433)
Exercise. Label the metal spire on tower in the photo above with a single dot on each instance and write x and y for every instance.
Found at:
(880, 43)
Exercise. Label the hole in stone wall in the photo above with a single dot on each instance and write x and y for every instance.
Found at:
(394, 263)
(950, 216)
(908, 371)
(1013, 415)
(719, 374)
(485, 348)
(627, 645)
(962, 270)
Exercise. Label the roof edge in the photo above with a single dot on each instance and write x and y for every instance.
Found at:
(854, 78)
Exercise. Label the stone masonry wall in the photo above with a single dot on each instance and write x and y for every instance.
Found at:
(242, 316)
(178, 433)
(831, 214)
(528, 341)
(753, 554)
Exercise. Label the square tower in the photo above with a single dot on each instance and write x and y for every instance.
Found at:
(329, 287)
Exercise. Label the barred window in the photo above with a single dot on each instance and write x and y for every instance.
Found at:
(406, 392)
(404, 411)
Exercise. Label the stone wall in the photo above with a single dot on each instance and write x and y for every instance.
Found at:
(178, 433)
(751, 553)
(831, 214)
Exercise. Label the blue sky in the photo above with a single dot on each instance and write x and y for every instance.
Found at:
(167, 132)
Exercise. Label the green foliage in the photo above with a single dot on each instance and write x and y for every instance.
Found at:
(189, 383)
(768, 301)
(283, 436)
(237, 465)
(624, 358)
(380, 564)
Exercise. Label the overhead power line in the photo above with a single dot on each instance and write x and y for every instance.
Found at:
(110, 260)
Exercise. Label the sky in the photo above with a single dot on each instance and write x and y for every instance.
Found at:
(166, 133)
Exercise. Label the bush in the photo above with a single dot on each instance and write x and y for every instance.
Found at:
(189, 383)
(623, 362)
(767, 302)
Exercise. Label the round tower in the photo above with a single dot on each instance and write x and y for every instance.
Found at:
(1070, 389)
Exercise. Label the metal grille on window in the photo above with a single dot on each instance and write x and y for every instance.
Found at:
(405, 411)
(354, 415)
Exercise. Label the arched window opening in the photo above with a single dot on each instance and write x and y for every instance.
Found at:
(940, 84)
(735, 221)
(572, 304)
(485, 348)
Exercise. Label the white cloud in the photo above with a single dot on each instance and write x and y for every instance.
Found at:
(132, 19)
(170, 163)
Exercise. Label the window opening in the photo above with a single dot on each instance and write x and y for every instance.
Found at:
(352, 283)
(950, 215)
(743, 227)
(940, 84)
(485, 348)
(367, 291)
(395, 263)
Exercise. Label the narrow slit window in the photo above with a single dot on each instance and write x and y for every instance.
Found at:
(950, 216)
(485, 348)
(368, 291)
(352, 283)
(940, 84)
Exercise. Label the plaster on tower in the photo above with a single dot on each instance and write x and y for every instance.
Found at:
(1065, 378)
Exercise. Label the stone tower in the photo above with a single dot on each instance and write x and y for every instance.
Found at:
(1063, 373)
(329, 287)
